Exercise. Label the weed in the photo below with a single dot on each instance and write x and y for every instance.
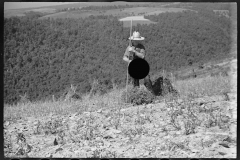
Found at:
(139, 129)
(183, 115)
(96, 153)
(38, 128)
(117, 118)
(110, 154)
(60, 137)
(8, 145)
(24, 148)
(116, 122)
(130, 133)
(52, 126)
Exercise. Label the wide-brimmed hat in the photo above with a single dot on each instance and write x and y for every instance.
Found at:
(136, 36)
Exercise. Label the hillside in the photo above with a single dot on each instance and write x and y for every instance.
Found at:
(103, 126)
(65, 93)
(44, 56)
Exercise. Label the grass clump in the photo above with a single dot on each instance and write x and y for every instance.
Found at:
(137, 96)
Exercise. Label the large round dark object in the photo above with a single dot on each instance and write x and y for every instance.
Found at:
(138, 68)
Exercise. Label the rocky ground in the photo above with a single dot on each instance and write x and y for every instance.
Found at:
(139, 131)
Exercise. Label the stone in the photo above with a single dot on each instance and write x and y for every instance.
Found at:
(6, 124)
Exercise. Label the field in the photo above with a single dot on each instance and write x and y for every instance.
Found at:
(151, 10)
(66, 15)
(135, 20)
(200, 123)
(221, 67)
(140, 10)
(123, 14)
(120, 13)
(163, 10)
(20, 12)
(10, 13)
(42, 10)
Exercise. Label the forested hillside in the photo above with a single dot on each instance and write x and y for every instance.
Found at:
(43, 57)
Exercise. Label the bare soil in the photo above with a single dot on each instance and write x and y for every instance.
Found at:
(143, 131)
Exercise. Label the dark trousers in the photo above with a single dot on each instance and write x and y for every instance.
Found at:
(147, 83)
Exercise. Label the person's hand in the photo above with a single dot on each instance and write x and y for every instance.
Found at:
(131, 49)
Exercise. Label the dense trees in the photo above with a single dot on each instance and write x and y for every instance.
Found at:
(43, 57)
(192, 36)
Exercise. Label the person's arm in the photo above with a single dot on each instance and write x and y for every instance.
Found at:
(126, 55)
(140, 54)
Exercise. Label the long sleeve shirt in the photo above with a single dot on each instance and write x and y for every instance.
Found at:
(131, 55)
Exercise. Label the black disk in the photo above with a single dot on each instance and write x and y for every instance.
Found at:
(138, 68)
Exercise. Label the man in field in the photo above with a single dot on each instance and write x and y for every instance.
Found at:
(137, 50)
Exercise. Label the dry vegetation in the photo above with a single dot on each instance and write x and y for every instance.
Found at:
(207, 86)
(199, 122)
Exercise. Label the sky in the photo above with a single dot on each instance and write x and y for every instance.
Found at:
(18, 5)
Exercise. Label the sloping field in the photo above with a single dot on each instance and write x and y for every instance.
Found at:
(133, 18)
(103, 126)
(151, 10)
(136, 20)
(213, 68)
(42, 10)
(163, 10)
(20, 12)
(116, 12)
(139, 10)
(70, 15)
(83, 14)
(10, 13)
(55, 15)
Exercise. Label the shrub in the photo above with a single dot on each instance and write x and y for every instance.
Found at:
(137, 96)
(99, 87)
(163, 86)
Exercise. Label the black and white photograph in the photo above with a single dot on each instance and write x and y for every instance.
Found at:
(120, 79)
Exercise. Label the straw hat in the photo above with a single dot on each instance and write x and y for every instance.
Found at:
(136, 36)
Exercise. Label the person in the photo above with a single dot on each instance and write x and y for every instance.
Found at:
(137, 50)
